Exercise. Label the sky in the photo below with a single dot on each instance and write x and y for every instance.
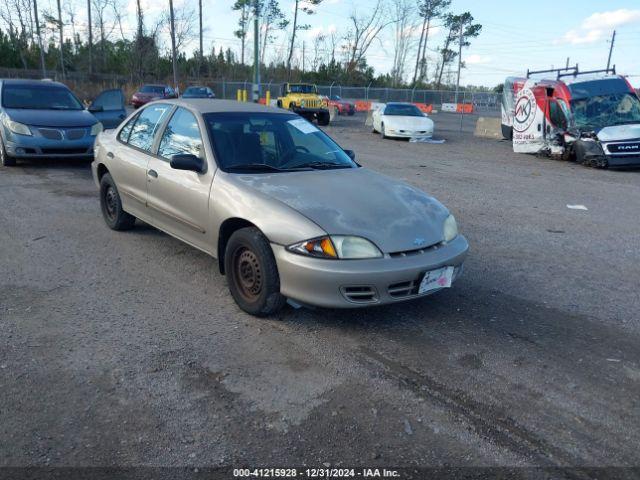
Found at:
(515, 35)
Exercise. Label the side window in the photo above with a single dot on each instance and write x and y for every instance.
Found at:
(182, 136)
(146, 126)
(123, 136)
(556, 115)
(109, 100)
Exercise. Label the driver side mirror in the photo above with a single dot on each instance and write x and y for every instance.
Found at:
(351, 154)
(96, 108)
(186, 161)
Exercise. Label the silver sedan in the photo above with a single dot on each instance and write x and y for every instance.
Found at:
(286, 211)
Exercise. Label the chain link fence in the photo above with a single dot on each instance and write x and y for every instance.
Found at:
(87, 86)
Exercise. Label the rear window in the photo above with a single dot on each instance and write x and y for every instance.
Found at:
(152, 89)
(39, 97)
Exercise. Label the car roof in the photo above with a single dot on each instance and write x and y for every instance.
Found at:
(26, 81)
(400, 103)
(154, 85)
(207, 105)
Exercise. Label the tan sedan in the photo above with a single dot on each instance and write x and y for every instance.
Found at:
(286, 211)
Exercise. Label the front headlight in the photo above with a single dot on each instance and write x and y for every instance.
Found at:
(450, 228)
(96, 129)
(16, 127)
(335, 247)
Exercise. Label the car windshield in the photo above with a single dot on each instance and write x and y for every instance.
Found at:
(196, 91)
(403, 110)
(152, 89)
(39, 97)
(601, 111)
(272, 142)
(302, 88)
(336, 97)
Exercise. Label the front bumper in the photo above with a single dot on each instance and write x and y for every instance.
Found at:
(304, 111)
(35, 146)
(408, 133)
(362, 283)
(623, 160)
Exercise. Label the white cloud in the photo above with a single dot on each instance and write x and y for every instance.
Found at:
(577, 37)
(476, 59)
(595, 26)
(612, 19)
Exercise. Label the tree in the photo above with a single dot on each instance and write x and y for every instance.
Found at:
(461, 28)
(272, 19)
(306, 8)
(429, 10)
(404, 20)
(243, 6)
(364, 30)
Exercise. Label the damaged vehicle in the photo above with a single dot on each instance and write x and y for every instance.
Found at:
(287, 212)
(590, 117)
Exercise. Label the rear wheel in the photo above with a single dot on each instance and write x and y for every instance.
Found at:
(6, 160)
(114, 216)
(507, 131)
(252, 273)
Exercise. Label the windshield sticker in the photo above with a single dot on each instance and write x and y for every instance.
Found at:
(302, 125)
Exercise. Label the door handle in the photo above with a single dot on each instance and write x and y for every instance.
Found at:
(109, 154)
(152, 173)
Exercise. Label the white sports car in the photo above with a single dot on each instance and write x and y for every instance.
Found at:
(402, 120)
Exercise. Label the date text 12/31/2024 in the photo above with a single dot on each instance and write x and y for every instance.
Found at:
(315, 473)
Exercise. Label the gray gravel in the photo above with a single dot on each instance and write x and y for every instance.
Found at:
(126, 348)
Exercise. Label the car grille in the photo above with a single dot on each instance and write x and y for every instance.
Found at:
(360, 294)
(404, 289)
(58, 134)
(64, 151)
(417, 251)
(633, 147)
(311, 103)
(50, 133)
(75, 134)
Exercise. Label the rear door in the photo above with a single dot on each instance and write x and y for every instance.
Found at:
(108, 108)
(179, 199)
(529, 120)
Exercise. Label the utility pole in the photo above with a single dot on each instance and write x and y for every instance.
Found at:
(35, 13)
(567, 65)
(303, 55)
(61, 39)
(201, 52)
(613, 40)
(90, 37)
(173, 46)
(459, 61)
(256, 51)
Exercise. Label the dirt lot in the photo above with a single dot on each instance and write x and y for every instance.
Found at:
(126, 348)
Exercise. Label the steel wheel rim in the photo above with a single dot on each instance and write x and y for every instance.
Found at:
(110, 202)
(248, 273)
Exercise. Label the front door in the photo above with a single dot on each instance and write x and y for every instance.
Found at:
(108, 108)
(179, 199)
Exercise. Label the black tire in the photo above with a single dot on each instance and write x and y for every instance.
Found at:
(507, 132)
(252, 273)
(6, 160)
(323, 119)
(279, 103)
(114, 216)
(351, 113)
(579, 153)
(292, 106)
(382, 131)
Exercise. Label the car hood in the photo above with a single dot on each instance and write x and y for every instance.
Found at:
(619, 132)
(392, 214)
(402, 122)
(52, 118)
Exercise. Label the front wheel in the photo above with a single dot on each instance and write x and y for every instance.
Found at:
(114, 216)
(324, 118)
(252, 273)
(6, 160)
(382, 132)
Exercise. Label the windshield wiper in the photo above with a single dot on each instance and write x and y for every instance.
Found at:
(323, 165)
(256, 167)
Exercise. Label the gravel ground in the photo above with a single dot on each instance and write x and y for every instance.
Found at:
(126, 348)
